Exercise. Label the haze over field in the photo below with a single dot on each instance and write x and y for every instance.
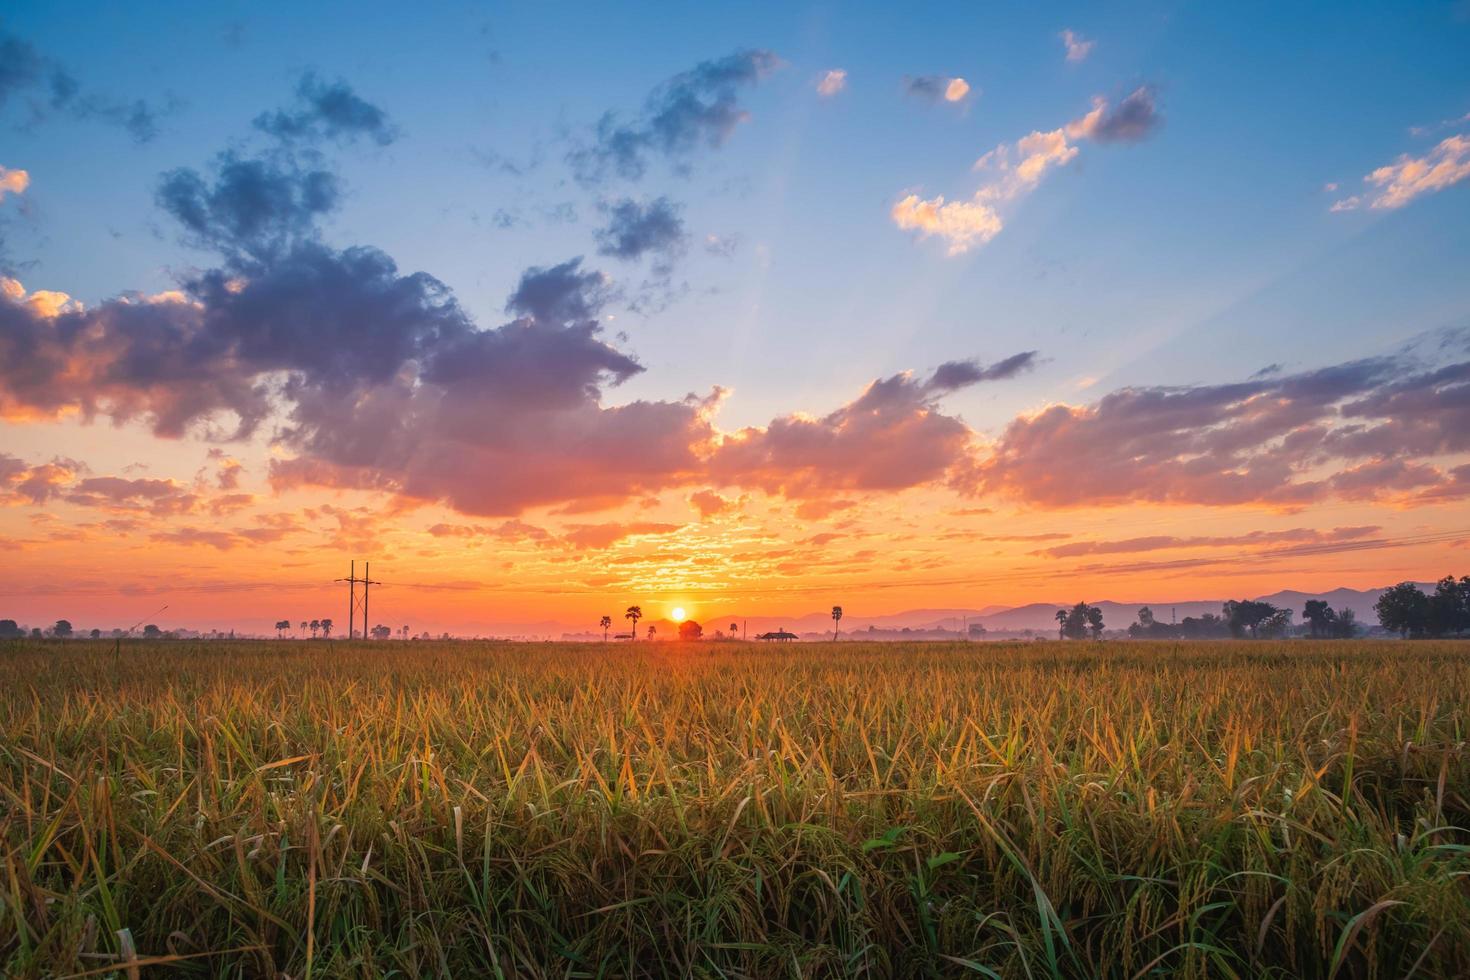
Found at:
(949, 309)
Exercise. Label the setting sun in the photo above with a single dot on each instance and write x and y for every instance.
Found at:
(678, 614)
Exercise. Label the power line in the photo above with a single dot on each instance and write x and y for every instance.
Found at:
(352, 604)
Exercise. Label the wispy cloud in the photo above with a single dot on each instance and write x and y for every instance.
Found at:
(1078, 47)
(1014, 170)
(50, 89)
(832, 82)
(937, 88)
(699, 108)
(328, 110)
(1396, 184)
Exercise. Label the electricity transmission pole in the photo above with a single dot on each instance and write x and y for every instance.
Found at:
(352, 604)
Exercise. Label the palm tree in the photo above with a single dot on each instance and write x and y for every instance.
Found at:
(405, 632)
(634, 614)
(734, 629)
(281, 626)
(316, 624)
(1061, 624)
(303, 626)
(836, 619)
(606, 624)
(327, 628)
(652, 630)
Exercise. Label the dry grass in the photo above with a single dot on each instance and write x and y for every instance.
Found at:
(259, 809)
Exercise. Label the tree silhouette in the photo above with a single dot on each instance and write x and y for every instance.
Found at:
(606, 624)
(1449, 607)
(316, 624)
(652, 630)
(1080, 620)
(734, 629)
(1061, 624)
(634, 614)
(281, 627)
(1248, 615)
(327, 628)
(303, 626)
(690, 630)
(836, 621)
(405, 632)
(1320, 617)
(96, 634)
(1404, 610)
(62, 629)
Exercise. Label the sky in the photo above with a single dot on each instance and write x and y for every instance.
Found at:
(550, 309)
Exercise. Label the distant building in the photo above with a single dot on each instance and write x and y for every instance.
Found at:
(778, 636)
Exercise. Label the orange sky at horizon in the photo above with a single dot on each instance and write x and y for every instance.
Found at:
(225, 551)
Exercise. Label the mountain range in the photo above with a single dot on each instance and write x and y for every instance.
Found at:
(1040, 615)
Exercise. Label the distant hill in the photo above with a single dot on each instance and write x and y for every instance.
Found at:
(1042, 615)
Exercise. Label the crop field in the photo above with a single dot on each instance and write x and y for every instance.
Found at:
(315, 809)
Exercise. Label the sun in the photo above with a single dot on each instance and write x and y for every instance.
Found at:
(678, 614)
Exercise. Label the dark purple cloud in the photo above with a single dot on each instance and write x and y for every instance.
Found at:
(328, 111)
(253, 208)
(1351, 430)
(46, 87)
(699, 108)
(637, 228)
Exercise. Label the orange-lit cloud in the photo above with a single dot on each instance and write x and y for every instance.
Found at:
(1396, 184)
(1014, 170)
(13, 181)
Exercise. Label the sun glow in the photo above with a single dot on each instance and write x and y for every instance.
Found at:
(678, 614)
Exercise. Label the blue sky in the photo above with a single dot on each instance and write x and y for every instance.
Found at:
(1205, 252)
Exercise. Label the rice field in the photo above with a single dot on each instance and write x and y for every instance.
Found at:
(314, 809)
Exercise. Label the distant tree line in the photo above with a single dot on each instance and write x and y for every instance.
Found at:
(63, 630)
(1407, 611)
(1251, 618)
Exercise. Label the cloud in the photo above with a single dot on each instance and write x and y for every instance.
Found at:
(892, 437)
(1166, 542)
(1078, 47)
(936, 88)
(832, 82)
(1365, 427)
(13, 181)
(637, 228)
(22, 483)
(120, 494)
(328, 111)
(953, 375)
(1135, 118)
(46, 87)
(595, 537)
(710, 504)
(194, 536)
(819, 508)
(511, 531)
(254, 208)
(1400, 182)
(1013, 171)
(962, 224)
(699, 108)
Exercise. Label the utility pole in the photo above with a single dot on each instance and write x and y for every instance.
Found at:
(352, 606)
